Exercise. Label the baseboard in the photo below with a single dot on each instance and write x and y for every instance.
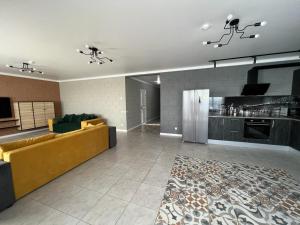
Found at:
(170, 134)
(249, 145)
(121, 130)
(22, 133)
(154, 118)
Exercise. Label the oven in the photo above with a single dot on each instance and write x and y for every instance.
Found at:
(257, 128)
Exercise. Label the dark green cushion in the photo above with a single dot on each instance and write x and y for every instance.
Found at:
(71, 122)
(66, 127)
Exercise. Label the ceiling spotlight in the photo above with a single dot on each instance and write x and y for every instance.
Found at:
(205, 26)
(26, 68)
(93, 54)
(232, 26)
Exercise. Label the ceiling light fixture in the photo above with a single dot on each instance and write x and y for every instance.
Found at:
(232, 25)
(94, 55)
(26, 68)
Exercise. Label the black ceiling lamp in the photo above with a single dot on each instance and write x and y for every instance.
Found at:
(94, 53)
(26, 67)
(232, 25)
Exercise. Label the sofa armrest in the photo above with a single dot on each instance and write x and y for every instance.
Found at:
(7, 194)
(51, 122)
(96, 121)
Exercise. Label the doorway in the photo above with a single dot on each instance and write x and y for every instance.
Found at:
(143, 105)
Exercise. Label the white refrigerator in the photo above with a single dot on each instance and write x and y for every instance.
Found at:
(195, 109)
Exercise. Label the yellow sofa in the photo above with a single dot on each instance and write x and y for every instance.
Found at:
(36, 164)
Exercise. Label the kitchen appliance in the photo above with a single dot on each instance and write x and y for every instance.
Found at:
(255, 89)
(195, 108)
(257, 128)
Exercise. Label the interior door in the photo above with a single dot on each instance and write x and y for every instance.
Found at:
(143, 105)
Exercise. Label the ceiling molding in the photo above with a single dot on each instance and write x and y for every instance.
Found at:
(141, 73)
(27, 77)
(152, 72)
(144, 82)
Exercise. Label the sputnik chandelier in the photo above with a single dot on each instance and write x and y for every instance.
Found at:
(94, 54)
(26, 67)
(232, 25)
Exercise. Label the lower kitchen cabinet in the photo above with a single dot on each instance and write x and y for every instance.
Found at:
(233, 129)
(280, 132)
(215, 128)
(295, 135)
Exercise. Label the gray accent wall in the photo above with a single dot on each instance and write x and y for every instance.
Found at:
(223, 81)
(104, 97)
(133, 114)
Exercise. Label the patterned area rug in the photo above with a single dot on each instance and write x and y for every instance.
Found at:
(220, 193)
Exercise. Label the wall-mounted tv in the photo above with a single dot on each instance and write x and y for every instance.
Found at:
(5, 107)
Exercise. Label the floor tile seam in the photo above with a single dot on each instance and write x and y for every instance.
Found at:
(125, 210)
(51, 207)
(82, 188)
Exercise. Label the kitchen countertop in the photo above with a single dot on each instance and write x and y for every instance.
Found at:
(257, 117)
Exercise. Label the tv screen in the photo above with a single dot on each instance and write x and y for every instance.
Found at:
(5, 109)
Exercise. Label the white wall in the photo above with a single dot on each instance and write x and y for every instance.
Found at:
(280, 79)
(105, 97)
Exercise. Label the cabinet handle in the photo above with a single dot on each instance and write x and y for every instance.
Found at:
(273, 123)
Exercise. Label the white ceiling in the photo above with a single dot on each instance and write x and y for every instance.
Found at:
(139, 35)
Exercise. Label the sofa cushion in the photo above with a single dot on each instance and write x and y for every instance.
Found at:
(66, 127)
(9, 146)
(67, 133)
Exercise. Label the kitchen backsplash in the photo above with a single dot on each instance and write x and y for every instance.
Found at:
(255, 106)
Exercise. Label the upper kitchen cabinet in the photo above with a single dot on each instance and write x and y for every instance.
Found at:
(296, 83)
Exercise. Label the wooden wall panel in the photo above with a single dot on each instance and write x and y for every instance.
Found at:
(23, 89)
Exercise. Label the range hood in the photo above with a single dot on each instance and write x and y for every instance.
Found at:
(253, 87)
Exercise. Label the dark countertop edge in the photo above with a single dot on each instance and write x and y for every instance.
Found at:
(256, 117)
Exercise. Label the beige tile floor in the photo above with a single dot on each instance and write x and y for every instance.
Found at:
(124, 185)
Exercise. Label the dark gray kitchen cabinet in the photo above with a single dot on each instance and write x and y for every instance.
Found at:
(215, 128)
(295, 135)
(296, 83)
(233, 129)
(280, 132)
